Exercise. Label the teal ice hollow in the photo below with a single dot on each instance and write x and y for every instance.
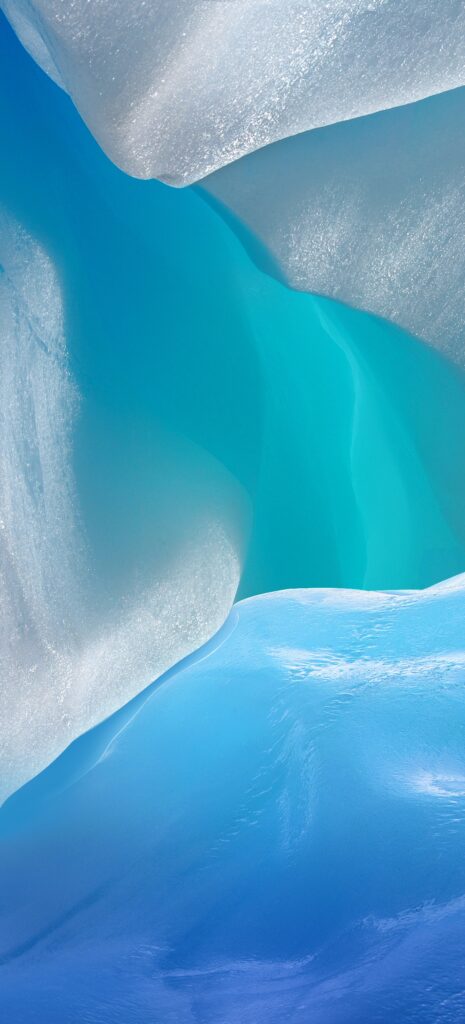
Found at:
(181, 428)
(274, 833)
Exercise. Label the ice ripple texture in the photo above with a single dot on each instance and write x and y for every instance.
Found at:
(273, 832)
(174, 90)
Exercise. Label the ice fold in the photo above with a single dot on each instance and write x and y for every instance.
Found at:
(370, 212)
(177, 88)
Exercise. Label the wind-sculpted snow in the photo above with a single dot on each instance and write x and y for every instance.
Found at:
(174, 89)
(275, 832)
(371, 212)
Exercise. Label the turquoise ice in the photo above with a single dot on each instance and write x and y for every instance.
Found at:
(232, 769)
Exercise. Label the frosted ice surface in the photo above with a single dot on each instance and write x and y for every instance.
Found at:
(70, 653)
(176, 88)
(370, 212)
(27, 27)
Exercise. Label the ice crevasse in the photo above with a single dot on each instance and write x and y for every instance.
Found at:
(369, 212)
(177, 427)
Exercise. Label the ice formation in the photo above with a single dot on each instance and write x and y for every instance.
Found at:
(175, 423)
(73, 649)
(274, 829)
(368, 212)
(371, 212)
(174, 90)
(273, 833)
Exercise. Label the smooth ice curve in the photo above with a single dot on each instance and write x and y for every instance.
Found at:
(275, 833)
(176, 90)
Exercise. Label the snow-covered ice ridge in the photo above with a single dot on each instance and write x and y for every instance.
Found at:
(174, 89)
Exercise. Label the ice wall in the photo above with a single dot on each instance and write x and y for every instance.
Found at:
(121, 532)
(371, 212)
(274, 833)
(174, 89)
(76, 642)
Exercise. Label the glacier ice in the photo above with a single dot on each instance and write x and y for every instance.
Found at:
(174, 89)
(275, 832)
(274, 829)
(370, 212)
(175, 423)
(71, 652)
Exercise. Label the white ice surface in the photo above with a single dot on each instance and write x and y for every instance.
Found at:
(177, 88)
(370, 212)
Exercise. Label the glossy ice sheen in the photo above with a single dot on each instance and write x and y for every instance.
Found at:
(275, 832)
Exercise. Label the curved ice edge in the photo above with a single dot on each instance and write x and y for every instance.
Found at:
(90, 748)
(155, 120)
